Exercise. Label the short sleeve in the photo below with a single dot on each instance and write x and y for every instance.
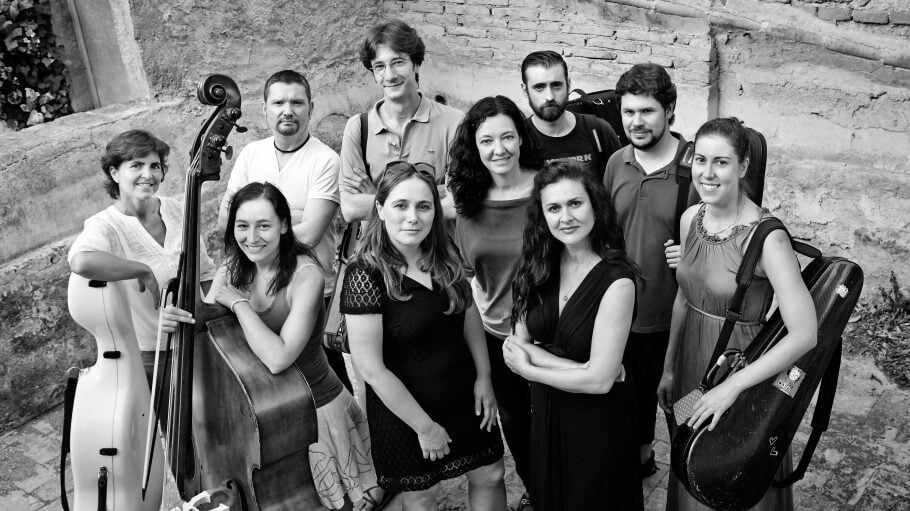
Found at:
(96, 236)
(458, 240)
(238, 178)
(361, 292)
(350, 157)
(324, 183)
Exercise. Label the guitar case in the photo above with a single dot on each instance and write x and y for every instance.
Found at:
(732, 467)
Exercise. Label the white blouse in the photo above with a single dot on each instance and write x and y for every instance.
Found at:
(124, 236)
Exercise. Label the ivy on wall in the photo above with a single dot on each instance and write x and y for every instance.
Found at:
(33, 88)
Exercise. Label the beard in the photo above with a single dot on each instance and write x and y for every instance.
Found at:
(287, 129)
(551, 110)
(644, 146)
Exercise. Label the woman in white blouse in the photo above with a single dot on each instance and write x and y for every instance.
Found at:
(138, 237)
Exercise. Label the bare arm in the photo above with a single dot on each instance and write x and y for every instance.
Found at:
(611, 331)
(365, 337)
(314, 220)
(277, 351)
(97, 265)
(484, 400)
(665, 397)
(354, 183)
(538, 356)
(798, 313)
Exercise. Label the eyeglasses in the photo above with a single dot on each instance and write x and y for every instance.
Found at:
(404, 166)
(397, 65)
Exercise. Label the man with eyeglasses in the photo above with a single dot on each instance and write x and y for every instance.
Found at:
(402, 126)
(302, 167)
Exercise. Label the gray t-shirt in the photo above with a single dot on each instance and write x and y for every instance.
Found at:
(490, 245)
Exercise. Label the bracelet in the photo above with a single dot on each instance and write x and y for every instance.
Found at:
(235, 302)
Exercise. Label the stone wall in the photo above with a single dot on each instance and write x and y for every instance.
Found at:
(837, 124)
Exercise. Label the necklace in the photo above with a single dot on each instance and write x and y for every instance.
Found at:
(294, 150)
(573, 276)
(739, 213)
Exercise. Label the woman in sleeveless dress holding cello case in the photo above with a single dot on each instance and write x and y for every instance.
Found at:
(716, 233)
(273, 284)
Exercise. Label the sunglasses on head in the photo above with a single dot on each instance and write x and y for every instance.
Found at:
(420, 167)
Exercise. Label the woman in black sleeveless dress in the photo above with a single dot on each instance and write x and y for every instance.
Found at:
(573, 307)
(417, 339)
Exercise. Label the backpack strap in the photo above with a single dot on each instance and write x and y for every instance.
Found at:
(69, 396)
(820, 417)
(743, 280)
(364, 136)
(683, 180)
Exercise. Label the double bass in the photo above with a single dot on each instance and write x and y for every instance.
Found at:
(231, 423)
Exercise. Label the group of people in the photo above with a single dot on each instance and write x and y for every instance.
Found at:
(513, 272)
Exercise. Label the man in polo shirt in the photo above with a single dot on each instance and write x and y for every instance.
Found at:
(641, 180)
(584, 140)
(302, 167)
(403, 125)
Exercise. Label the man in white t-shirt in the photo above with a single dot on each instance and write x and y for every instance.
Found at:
(302, 167)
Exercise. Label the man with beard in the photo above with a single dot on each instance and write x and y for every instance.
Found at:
(302, 167)
(584, 140)
(641, 181)
(403, 125)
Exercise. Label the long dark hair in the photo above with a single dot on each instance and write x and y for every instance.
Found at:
(376, 253)
(540, 251)
(468, 178)
(241, 270)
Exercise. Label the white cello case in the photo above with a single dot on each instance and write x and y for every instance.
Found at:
(110, 407)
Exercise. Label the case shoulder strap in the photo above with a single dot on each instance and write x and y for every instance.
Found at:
(69, 396)
(820, 417)
(683, 180)
(743, 280)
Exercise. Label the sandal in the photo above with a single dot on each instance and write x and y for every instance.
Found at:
(369, 502)
(649, 467)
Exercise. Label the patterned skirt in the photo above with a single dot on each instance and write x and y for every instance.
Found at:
(340, 461)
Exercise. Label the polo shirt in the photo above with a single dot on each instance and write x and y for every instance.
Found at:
(645, 206)
(427, 138)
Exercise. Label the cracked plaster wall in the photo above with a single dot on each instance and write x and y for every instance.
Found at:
(837, 126)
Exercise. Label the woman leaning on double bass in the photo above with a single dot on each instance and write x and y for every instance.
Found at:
(138, 237)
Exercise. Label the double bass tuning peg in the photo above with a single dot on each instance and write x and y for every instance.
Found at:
(233, 114)
(228, 151)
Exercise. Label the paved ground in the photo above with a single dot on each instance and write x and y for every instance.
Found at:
(862, 462)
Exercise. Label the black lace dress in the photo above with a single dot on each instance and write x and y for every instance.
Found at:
(584, 452)
(426, 350)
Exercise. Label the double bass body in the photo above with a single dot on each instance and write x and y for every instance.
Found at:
(110, 409)
(250, 426)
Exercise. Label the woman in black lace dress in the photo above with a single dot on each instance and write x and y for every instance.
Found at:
(572, 309)
(417, 339)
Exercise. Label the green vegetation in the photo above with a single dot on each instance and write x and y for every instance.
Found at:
(882, 330)
(33, 88)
